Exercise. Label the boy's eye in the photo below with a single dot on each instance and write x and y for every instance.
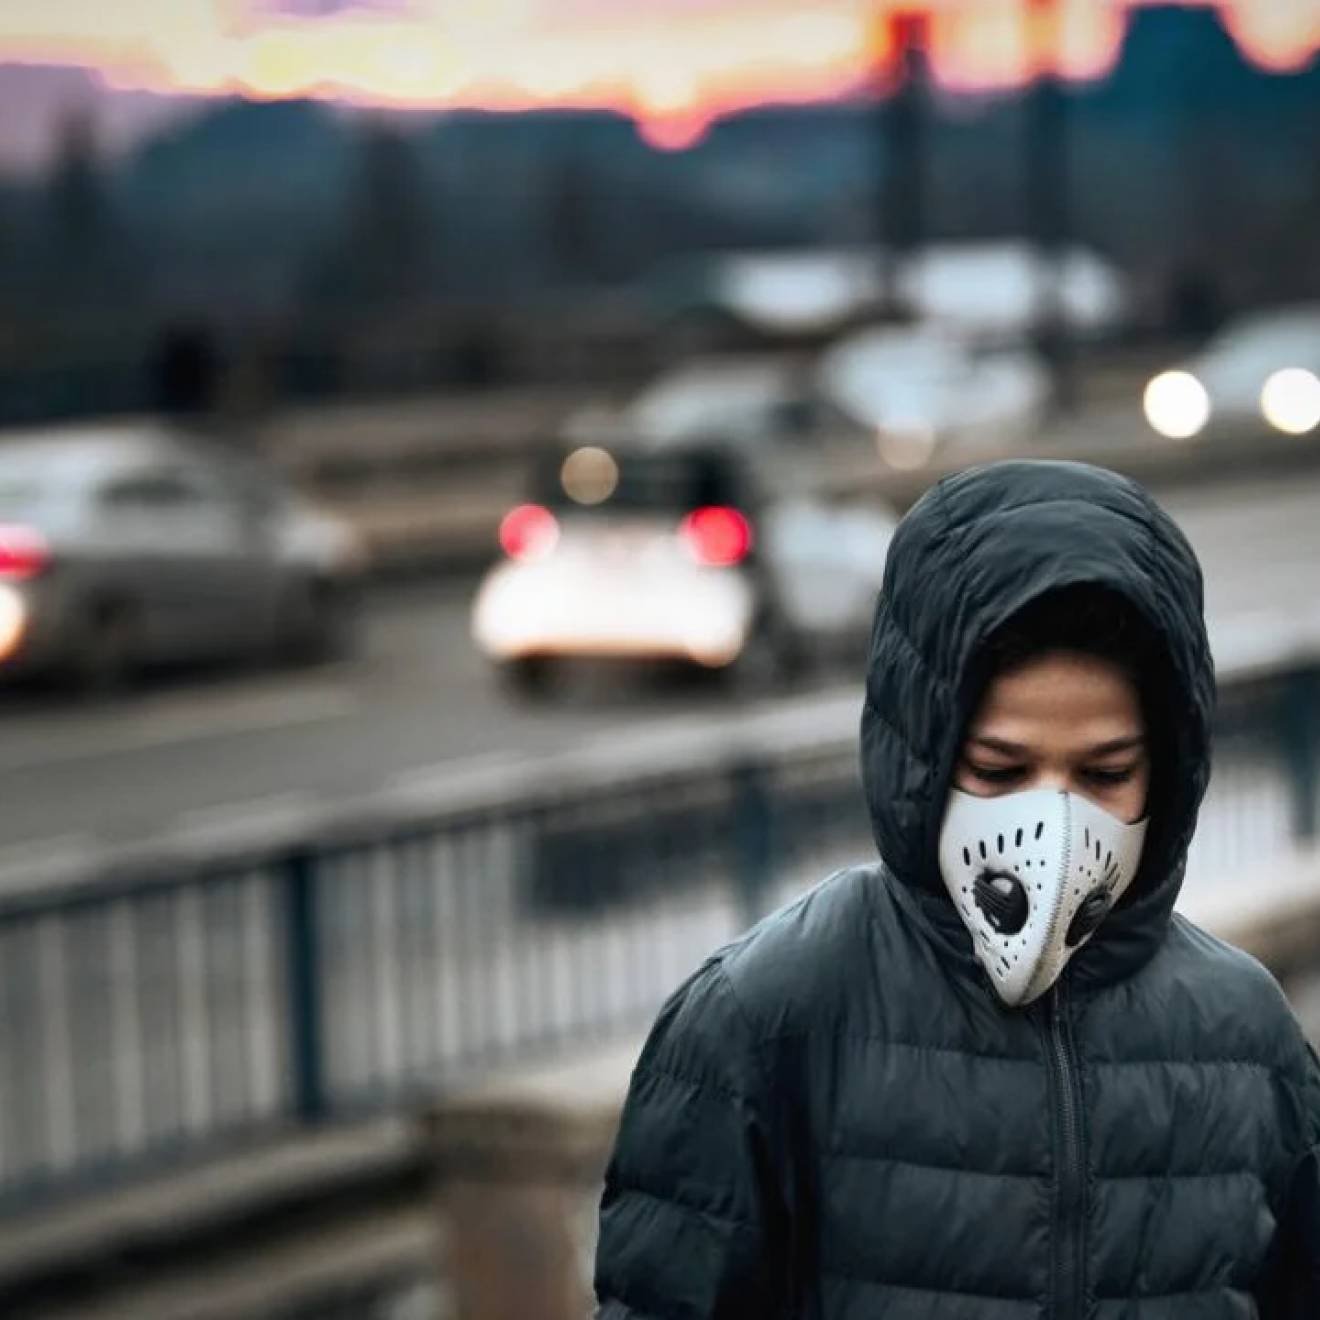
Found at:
(1110, 778)
(995, 774)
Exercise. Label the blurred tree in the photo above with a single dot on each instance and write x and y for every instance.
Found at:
(570, 219)
(84, 248)
(8, 254)
(384, 256)
(186, 370)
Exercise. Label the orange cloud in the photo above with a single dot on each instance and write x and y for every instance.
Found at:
(674, 66)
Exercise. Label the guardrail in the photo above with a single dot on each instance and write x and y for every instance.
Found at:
(163, 1006)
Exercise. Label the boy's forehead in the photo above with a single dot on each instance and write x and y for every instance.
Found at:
(1063, 692)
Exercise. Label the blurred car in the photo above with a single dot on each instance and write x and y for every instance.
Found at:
(1264, 368)
(130, 546)
(895, 393)
(760, 400)
(918, 390)
(674, 553)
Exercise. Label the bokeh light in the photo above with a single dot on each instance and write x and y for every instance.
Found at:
(1290, 401)
(589, 475)
(1177, 405)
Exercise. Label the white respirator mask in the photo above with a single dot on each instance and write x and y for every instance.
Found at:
(1033, 874)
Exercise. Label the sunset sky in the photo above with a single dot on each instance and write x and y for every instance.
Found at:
(673, 64)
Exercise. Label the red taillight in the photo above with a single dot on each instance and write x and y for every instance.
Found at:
(23, 553)
(528, 532)
(717, 537)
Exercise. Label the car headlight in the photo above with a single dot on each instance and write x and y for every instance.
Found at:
(1290, 401)
(1176, 405)
(13, 620)
(908, 447)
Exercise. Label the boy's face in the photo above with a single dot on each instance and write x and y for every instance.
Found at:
(1062, 720)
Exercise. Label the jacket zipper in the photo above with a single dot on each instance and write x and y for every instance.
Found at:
(1070, 1211)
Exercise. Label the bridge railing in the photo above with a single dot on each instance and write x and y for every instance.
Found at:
(165, 1006)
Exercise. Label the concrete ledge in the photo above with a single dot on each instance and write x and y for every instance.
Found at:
(331, 1272)
(1273, 913)
(84, 1246)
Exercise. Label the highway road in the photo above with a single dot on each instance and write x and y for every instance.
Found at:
(193, 755)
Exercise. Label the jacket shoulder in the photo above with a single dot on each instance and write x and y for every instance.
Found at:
(709, 1029)
(790, 968)
(1236, 1001)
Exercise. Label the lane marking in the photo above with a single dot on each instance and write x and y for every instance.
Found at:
(175, 727)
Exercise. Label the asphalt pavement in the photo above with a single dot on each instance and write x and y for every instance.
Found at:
(193, 755)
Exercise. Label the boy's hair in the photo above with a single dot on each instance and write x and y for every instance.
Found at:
(1092, 620)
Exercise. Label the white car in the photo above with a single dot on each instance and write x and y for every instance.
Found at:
(128, 545)
(672, 554)
(1263, 369)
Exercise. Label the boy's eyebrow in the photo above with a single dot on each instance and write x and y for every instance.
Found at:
(1115, 745)
(1111, 748)
(1000, 745)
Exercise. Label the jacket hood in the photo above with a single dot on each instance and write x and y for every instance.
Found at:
(974, 551)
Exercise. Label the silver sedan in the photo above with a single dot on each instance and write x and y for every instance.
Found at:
(132, 545)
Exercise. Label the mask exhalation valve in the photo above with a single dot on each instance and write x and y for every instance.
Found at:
(1002, 900)
(1088, 918)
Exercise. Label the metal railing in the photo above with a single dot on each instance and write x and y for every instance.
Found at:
(152, 1014)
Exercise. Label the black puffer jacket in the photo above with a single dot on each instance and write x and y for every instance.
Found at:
(836, 1119)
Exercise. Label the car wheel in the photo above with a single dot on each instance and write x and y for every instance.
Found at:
(317, 622)
(529, 678)
(107, 653)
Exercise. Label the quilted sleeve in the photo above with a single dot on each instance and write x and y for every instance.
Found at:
(1293, 1289)
(692, 1223)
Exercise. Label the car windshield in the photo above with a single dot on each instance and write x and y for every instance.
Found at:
(591, 480)
(1271, 340)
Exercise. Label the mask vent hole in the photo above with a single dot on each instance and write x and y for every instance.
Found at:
(981, 845)
(1000, 841)
(1087, 836)
(1040, 828)
(1097, 850)
(967, 857)
(1017, 839)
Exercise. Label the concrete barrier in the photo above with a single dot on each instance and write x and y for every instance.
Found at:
(518, 1170)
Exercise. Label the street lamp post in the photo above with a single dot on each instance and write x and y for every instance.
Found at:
(1048, 219)
(901, 98)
